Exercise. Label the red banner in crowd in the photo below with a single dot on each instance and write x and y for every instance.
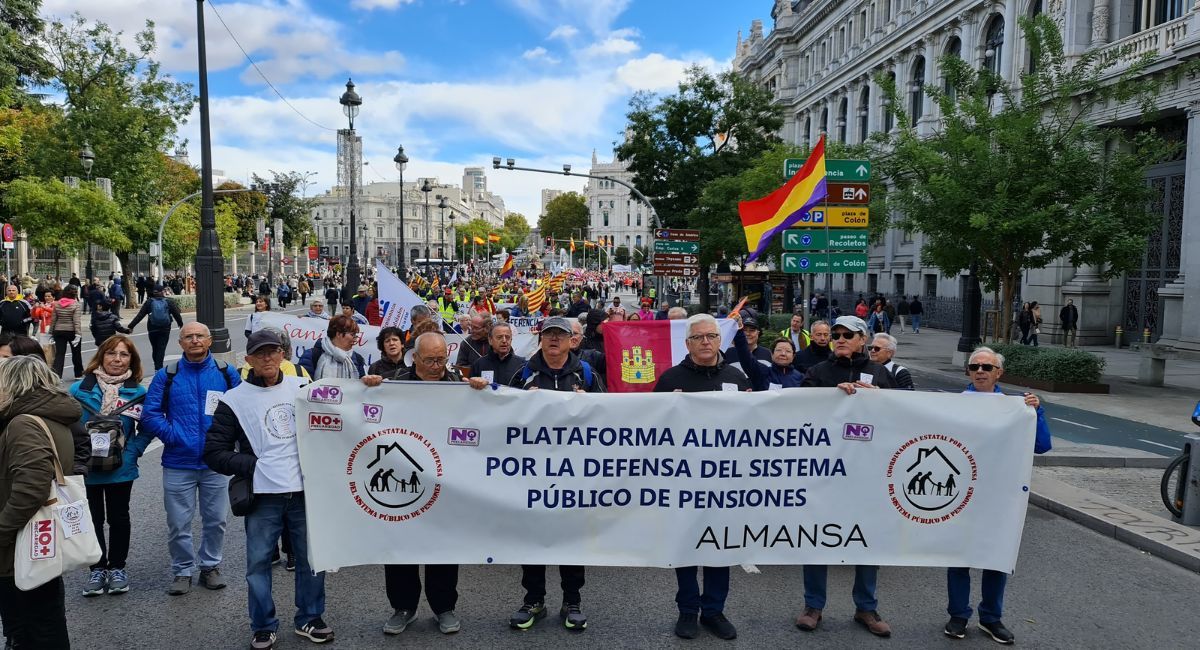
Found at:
(637, 353)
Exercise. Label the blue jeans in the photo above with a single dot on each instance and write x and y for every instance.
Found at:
(816, 575)
(958, 591)
(182, 488)
(716, 590)
(263, 527)
(916, 322)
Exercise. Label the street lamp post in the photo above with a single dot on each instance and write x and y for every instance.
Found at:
(426, 188)
(87, 159)
(443, 204)
(210, 309)
(351, 102)
(401, 161)
(453, 237)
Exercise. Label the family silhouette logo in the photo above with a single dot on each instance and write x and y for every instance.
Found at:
(394, 474)
(931, 478)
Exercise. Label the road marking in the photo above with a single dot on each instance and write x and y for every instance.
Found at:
(1158, 444)
(1076, 424)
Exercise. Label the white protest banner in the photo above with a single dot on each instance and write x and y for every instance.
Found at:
(305, 332)
(439, 473)
(396, 300)
(525, 334)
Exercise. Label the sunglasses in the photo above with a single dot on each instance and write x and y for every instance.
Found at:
(986, 367)
(876, 348)
(842, 335)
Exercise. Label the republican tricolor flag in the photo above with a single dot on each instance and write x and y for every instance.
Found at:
(638, 352)
(764, 218)
(506, 271)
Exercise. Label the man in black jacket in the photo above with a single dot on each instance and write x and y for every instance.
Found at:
(850, 370)
(703, 369)
(554, 367)
(818, 349)
(15, 313)
(158, 329)
(1068, 318)
(500, 364)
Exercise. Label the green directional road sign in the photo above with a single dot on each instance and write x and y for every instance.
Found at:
(819, 240)
(824, 262)
(847, 170)
(686, 247)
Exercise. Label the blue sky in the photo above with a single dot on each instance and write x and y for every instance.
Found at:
(454, 81)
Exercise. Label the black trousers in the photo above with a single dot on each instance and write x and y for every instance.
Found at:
(158, 345)
(35, 619)
(533, 579)
(111, 502)
(62, 340)
(403, 582)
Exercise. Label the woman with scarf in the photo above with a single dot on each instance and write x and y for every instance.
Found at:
(113, 378)
(66, 326)
(334, 356)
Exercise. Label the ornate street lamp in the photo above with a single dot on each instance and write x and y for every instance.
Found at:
(401, 161)
(351, 102)
(443, 204)
(87, 158)
(426, 188)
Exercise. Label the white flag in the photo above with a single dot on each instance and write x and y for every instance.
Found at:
(396, 300)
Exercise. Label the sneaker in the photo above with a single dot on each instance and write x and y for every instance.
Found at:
(525, 617)
(998, 632)
(399, 621)
(688, 626)
(180, 586)
(809, 620)
(118, 581)
(290, 565)
(719, 626)
(263, 640)
(956, 628)
(275, 559)
(573, 617)
(96, 582)
(448, 622)
(872, 621)
(316, 631)
(211, 579)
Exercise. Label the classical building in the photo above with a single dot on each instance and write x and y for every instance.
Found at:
(613, 212)
(820, 60)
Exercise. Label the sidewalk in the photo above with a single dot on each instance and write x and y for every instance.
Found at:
(1169, 406)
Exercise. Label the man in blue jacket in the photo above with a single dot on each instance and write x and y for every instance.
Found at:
(985, 368)
(179, 406)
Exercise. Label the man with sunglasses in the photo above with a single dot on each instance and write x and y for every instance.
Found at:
(849, 370)
(881, 350)
(985, 367)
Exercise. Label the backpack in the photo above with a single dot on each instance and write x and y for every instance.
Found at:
(173, 369)
(111, 429)
(160, 313)
(528, 375)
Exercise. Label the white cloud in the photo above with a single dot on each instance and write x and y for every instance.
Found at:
(655, 72)
(596, 15)
(612, 46)
(379, 4)
(538, 54)
(565, 32)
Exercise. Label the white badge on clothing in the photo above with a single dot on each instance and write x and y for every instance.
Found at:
(211, 400)
(72, 518)
(774, 386)
(866, 378)
(133, 412)
(489, 375)
(729, 387)
(101, 443)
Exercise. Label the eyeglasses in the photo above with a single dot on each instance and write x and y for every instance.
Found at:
(986, 367)
(876, 348)
(842, 335)
(194, 337)
(433, 361)
(711, 338)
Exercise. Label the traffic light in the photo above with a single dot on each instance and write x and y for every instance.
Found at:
(549, 241)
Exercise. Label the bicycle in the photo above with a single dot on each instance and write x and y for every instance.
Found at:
(1173, 483)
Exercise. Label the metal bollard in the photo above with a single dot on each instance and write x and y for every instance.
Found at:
(1120, 335)
(1189, 483)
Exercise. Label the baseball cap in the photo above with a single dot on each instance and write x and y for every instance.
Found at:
(852, 323)
(749, 321)
(262, 338)
(557, 323)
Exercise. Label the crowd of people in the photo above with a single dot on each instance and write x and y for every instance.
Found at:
(213, 421)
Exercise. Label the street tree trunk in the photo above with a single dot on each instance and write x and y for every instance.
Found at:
(123, 258)
(1008, 290)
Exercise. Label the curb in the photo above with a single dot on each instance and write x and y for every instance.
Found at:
(1068, 460)
(1160, 537)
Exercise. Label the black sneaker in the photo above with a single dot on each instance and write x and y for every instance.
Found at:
(719, 626)
(956, 628)
(998, 632)
(263, 640)
(316, 631)
(290, 564)
(688, 626)
(525, 617)
(573, 617)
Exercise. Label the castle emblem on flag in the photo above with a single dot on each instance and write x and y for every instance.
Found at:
(640, 368)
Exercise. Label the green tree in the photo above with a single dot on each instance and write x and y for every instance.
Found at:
(566, 214)
(22, 62)
(1016, 179)
(247, 208)
(181, 236)
(621, 255)
(53, 215)
(285, 194)
(714, 126)
(516, 229)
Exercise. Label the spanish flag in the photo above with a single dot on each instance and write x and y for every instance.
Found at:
(588, 244)
(464, 240)
(479, 240)
(572, 244)
(494, 238)
(506, 271)
(764, 218)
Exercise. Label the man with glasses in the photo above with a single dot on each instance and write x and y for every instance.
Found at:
(985, 367)
(403, 581)
(178, 410)
(881, 351)
(500, 364)
(703, 369)
(554, 367)
(849, 370)
(475, 346)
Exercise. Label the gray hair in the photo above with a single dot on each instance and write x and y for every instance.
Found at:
(498, 324)
(886, 338)
(676, 313)
(986, 350)
(431, 335)
(420, 311)
(814, 324)
(21, 375)
(700, 319)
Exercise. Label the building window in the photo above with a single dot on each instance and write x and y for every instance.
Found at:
(917, 89)
(824, 121)
(889, 120)
(849, 284)
(899, 284)
(379, 213)
(862, 25)
(993, 43)
(606, 217)
(1148, 13)
(807, 131)
(379, 231)
(324, 232)
(414, 232)
(953, 50)
(872, 283)
(335, 250)
(399, 231)
(864, 114)
(638, 241)
(639, 219)
(906, 237)
(841, 122)
(627, 218)
(930, 285)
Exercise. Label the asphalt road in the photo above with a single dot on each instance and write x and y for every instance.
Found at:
(1073, 589)
(1078, 425)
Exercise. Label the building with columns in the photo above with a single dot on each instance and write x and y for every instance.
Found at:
(821, 57)
(613, 212)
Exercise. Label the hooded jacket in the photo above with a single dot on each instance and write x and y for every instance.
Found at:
(182, 423)
(105, 324)
(837, 370)
(27, 461)
(67, 316)
(87, 391)
(567, 378)
(689, 377)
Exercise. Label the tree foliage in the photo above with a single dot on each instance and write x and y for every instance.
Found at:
(565, 215)
(246, 207)
(181, 235)
(22, 62)
(55, 215)
(1013, 180)
(285, 195)
(516, 230)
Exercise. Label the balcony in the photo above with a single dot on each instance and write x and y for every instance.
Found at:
(1159, 40)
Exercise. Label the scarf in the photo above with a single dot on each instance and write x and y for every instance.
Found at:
(110, 389)
(335, 362)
